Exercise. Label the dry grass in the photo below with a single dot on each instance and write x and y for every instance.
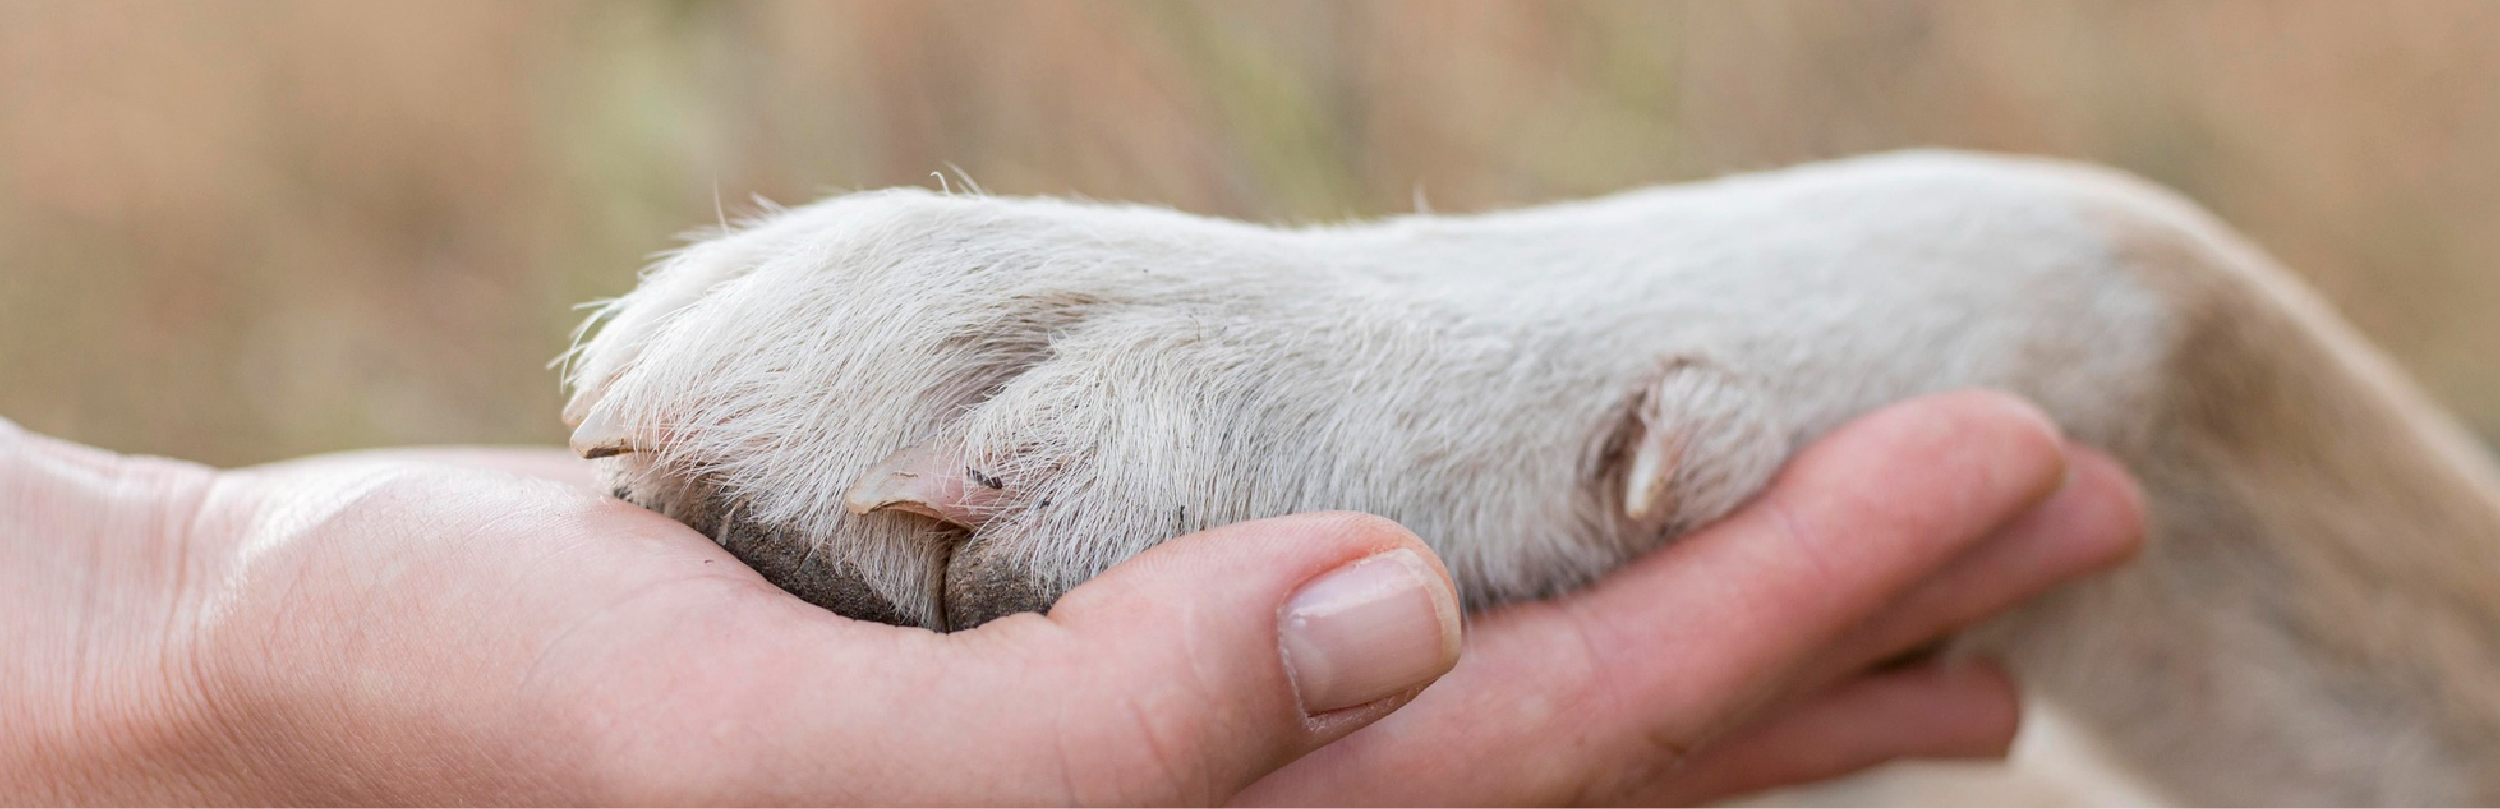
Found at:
(255, 230)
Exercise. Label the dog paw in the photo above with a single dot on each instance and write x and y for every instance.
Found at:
(937, 410)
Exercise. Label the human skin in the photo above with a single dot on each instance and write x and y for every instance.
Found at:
(483, 627)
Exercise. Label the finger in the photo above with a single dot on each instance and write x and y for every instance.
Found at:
(1178, 676)
(1238, 650)
(2093, 523)
(1555, 702)
(1960, 710)
(1855, 522)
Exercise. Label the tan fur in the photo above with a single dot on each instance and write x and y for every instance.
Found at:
(2323, 584)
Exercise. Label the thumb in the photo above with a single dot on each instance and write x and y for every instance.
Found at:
(1211, 660)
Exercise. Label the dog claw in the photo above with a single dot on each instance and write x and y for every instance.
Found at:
(600, 436)
(1647, 495)
(925, 481)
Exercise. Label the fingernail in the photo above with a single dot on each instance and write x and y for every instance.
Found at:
(1369, 630)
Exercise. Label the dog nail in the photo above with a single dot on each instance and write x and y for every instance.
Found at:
(600, 436)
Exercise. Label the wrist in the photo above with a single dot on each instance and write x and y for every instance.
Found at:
(105, 700)
(318, 674)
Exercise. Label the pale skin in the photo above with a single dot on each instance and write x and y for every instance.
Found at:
(483, 627)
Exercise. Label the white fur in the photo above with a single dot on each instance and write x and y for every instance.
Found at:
(1543, 394)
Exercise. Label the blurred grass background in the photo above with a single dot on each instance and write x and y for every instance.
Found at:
(251, 230)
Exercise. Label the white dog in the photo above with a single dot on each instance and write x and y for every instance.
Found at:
(934, 410)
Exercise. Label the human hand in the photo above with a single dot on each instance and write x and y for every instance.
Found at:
(361, 629)
(1747, 655)
(368, 629)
